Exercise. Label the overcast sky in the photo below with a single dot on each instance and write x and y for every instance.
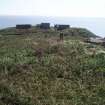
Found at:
(65, 8)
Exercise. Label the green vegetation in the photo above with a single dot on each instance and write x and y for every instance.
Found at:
(75, 31)
(82, 32)
(63, 73)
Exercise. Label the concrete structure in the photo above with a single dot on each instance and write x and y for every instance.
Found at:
(23, 29)
(61, 27)
(45, 25)
(23, 26)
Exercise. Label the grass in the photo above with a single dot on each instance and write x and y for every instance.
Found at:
(62, 74)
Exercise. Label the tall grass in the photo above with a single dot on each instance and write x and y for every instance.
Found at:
(63, 75)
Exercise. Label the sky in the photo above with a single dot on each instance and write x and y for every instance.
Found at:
(64, 8)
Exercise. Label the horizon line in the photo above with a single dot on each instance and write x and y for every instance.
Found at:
(52, 16)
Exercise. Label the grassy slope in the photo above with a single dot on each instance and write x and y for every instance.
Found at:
(64, 75)
(76, 31)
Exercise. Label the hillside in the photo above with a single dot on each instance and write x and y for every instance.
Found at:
(38, 69)
(82, 32)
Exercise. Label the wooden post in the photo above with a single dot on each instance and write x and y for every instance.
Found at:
(61, 36)
(39, 53)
